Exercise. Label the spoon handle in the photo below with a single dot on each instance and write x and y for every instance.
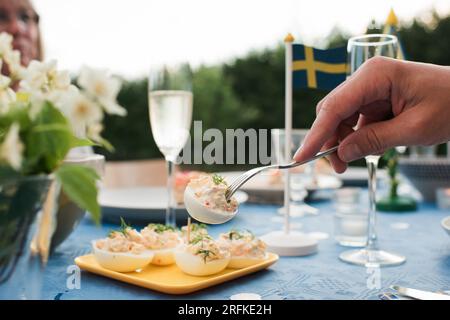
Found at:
(316, 156)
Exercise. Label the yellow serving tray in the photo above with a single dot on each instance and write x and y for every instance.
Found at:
(170, 279)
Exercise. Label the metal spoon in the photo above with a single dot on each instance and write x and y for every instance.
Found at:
(232, 188)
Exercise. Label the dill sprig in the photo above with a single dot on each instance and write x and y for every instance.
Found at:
(200, 237)
(218, 179)
(235, 234)
(197, 226)
(205, 253)
(124, 227)
(160, 228)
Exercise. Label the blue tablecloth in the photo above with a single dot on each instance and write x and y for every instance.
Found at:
(319, 276)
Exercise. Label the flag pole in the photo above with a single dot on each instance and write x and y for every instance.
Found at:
(288, 40)
(289, 242)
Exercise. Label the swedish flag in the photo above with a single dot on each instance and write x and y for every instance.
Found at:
(315, 68)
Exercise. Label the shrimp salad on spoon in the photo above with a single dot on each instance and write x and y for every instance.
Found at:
(205, 200)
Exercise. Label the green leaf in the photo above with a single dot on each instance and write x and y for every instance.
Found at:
(48, 141)
(19, 113)
(79, 184)
(80, 142)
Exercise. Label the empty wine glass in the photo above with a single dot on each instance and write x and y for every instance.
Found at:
(361, 49)
(299, 180)
(170, 110)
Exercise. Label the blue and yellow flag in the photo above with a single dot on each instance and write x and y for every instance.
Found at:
(315, 68)
(390, 27)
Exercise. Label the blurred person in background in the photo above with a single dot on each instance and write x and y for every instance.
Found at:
(21, 21)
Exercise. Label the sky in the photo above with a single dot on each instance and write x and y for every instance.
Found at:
(129, 37)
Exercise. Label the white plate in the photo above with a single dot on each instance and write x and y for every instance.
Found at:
(446, 224)
(142, 204)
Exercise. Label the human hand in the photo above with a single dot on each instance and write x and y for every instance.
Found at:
(385, 103)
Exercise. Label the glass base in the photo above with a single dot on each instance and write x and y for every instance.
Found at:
(365, 257)
(349, 241)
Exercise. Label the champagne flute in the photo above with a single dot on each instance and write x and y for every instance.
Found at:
(361, 49)
(170, 110)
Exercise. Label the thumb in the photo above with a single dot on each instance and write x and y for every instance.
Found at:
(374, 138)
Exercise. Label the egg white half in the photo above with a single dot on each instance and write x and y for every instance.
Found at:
(163, 257)
(121, 261)
(196, 266)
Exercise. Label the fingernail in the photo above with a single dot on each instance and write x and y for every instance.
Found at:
(350, 152)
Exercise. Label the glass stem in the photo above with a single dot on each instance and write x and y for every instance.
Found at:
(170, 212)
(372, 163)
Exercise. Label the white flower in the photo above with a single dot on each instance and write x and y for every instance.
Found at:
(98, 85)
(111, 107)
(44, 77)
(7, 95)
(94, 130)
(81, 111)
(12, 148)
(5, 43)
(12, 59)
(43, 82)
(10, 56)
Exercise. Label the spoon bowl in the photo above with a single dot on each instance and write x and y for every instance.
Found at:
(203, 214)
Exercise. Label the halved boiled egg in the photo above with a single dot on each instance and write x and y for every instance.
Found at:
(245, 249)
(121, 261)
(161, 240)
(198, 266)
(164, 257)
(239, 262)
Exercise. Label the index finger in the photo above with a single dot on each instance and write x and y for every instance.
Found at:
(370, 83)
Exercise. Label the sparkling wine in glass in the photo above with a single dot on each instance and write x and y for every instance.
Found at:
(170, 110)
(361, 49)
